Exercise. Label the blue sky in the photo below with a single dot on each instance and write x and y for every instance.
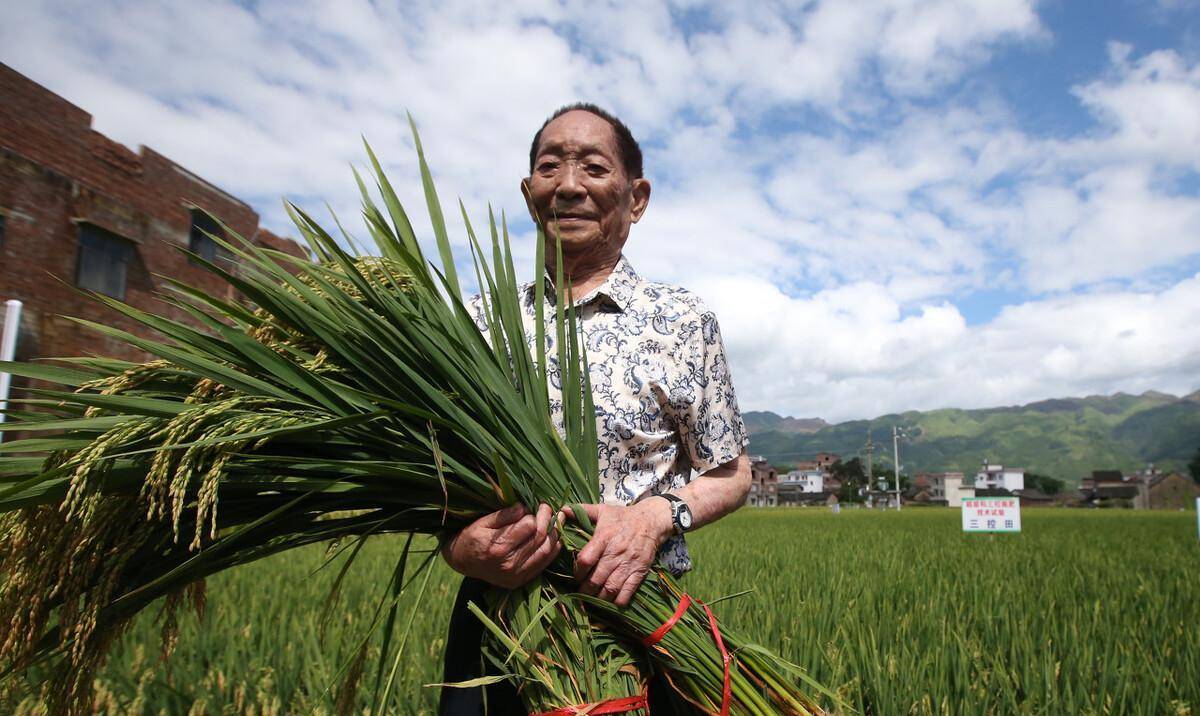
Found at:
(890, 204)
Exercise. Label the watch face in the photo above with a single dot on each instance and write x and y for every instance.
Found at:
(685, 517)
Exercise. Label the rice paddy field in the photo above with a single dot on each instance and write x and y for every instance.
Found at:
(1093, 612)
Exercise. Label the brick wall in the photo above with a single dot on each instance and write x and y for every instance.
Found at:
(1173, 492)
(56, 172)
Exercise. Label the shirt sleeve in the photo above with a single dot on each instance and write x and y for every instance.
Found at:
(702, 398)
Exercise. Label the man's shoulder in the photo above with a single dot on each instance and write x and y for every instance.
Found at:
(677, 313)
(670, 300)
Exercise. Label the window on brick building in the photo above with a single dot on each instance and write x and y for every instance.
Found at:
(200, 241)
(104, 260)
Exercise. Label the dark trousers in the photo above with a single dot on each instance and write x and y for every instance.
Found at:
(464, 661)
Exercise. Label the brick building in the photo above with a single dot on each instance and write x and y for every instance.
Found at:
(1171, 491)
(825, 460)
(80, 210)
(764, 484)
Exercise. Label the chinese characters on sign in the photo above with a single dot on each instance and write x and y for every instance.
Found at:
(991, 514)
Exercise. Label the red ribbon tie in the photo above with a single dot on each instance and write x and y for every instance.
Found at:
(612, 706)
(684, 603)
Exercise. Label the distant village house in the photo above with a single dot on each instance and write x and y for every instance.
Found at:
(764, 484)
(998, 477)
(1148, 489)
(940, 488)
(809, 483)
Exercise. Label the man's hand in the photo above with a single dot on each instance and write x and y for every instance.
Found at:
(508, 548)
(623, 548)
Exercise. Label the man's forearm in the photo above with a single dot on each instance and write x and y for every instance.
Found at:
(714, 494)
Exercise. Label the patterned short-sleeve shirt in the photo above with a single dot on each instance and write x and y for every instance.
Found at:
(665, 405)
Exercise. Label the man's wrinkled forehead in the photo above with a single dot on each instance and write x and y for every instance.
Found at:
(581, 133)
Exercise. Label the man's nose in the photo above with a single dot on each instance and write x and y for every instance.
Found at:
(569, 184)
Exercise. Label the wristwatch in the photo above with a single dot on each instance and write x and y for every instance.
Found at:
(681, 514)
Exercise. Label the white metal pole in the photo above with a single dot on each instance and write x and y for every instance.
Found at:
(8, 349)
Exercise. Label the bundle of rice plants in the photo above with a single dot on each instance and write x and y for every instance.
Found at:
(342, 399)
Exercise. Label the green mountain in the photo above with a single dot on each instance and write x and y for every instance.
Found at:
(1066, 438)
(761, 422)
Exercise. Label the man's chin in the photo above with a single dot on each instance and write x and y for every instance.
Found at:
(575, 235)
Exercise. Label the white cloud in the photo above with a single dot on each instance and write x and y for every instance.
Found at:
(825, 53)
(851, 352)
(926, 43)
(1150, 106)
(1111, 223)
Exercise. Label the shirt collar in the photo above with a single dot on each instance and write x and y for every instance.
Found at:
(618, 288)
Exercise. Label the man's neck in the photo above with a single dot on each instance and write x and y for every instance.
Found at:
(586, 273)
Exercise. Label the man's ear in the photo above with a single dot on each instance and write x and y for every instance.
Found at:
(641, 199)
(527, 193)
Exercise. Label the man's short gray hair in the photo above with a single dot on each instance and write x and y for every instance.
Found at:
(627, 146)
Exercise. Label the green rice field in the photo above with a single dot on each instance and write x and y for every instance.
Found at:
(1094, 612)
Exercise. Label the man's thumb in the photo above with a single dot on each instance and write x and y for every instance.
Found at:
(506, 516)
(592, 511)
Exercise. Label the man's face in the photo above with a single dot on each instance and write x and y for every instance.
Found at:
(579, 187)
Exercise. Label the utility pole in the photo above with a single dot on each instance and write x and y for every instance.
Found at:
(870, 452)
(896, 433)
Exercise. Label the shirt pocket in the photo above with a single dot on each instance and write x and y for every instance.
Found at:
(634, 458)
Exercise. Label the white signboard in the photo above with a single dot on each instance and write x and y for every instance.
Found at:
(991, 514)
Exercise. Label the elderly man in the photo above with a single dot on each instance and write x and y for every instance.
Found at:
(665, 406)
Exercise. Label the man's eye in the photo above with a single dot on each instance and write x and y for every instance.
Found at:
(547, 167)
(597, 169)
